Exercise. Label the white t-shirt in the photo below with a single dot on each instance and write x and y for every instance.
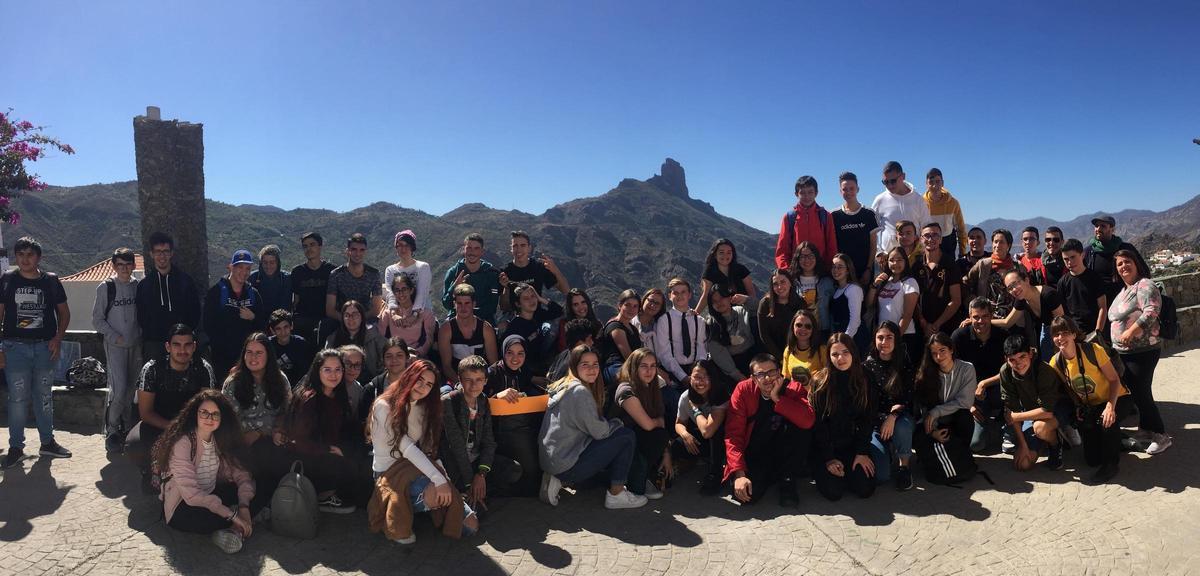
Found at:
(890, 209)
(422, 277)
(891, 302)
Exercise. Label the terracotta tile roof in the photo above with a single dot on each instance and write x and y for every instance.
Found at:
(103, 270)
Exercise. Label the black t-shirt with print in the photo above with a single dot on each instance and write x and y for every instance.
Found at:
(31, 306)
(853, 233)
(309, 285)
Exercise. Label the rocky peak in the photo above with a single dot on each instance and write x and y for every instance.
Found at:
(671, 179)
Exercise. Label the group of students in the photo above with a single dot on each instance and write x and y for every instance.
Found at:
(874, 345)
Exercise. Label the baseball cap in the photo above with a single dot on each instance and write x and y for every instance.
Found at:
(1106, 218)
(241, 256)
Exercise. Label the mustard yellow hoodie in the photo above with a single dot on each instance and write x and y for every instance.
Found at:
(948, 214)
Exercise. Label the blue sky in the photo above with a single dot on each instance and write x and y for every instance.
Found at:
(1030, 108)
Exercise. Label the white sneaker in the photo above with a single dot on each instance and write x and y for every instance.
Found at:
(227, 540)
(551, 486)
(1072, 436)
(410, 540)
(625, 499)
(652, 491)
(1008, 446)
(1158, 444)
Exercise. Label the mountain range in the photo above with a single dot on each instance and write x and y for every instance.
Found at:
(639, 234)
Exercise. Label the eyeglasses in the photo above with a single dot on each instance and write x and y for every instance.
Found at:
(206, 415)
(1053, 240)
(931, 236)
(890, 181)
(767, 375)
(808, 256)
(353, 365)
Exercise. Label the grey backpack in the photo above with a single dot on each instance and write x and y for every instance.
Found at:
(294, 505)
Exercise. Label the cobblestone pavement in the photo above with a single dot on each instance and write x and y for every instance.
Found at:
(86, 515)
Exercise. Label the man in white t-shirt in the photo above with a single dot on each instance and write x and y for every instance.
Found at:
(897, 202)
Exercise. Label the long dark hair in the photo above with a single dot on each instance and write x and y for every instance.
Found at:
(569, 313)
(650, 292)
(718, 325)
(813, 345)
(649, 393)
(718, 387)
(396, 397)
(904, 274)
(774, 300)
(274, 383)
(310, 385)
(822, 395)
(818, 265)
(228, 436)
(929, 376)
(342, 335)
(897, 367)
(710, 261)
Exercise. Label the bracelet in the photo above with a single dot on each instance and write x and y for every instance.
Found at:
(483, 469)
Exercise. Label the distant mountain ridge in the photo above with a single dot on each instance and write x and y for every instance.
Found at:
(639, 234)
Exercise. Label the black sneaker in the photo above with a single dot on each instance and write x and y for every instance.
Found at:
(115, 443)
(904, 479)
(14, 457)
(1104, 474)
(788, 497)
(710, 485)
(334, 505)
(1054, 460)
(54, 450)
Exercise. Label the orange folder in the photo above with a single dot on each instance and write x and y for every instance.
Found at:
(526, 405)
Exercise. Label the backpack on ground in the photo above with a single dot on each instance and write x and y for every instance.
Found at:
(294, 505)
(87, 373)
(1168, 316)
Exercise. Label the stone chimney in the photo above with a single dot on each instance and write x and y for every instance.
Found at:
(170, 171)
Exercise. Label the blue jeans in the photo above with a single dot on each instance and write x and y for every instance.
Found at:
(614, 454)
(30, 373)
(416, 495)
(899, 446)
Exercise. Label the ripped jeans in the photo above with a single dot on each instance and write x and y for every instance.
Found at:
(30, 373)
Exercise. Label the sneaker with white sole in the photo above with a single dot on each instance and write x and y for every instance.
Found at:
(412, 539)
(1158, 444)
(1072, 436)
(551, 486)
(652, 492)
(1008, 446)
(227, 540)
(334, 505)
(625, 499)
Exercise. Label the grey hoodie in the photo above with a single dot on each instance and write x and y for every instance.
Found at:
(122, 319)
(572, 421)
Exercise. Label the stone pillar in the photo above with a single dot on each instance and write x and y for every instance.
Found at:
(170, 171)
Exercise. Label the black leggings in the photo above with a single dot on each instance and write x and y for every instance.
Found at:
(711, 448)
(1139, 377)
(517, 438)
(649, 449)
(1102, 445)
(778, 455)
(833, 487)
(200, 520)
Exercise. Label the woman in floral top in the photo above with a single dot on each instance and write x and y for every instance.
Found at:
(1134, 333)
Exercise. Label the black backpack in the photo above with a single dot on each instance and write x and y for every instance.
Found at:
(1168, 316)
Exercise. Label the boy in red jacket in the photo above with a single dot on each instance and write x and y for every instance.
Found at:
(807, 220)
(767, 433)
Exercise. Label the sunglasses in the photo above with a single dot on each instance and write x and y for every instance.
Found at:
(1052, 240)
(890, 181)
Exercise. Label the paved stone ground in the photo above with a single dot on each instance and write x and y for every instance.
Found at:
(86, 516)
